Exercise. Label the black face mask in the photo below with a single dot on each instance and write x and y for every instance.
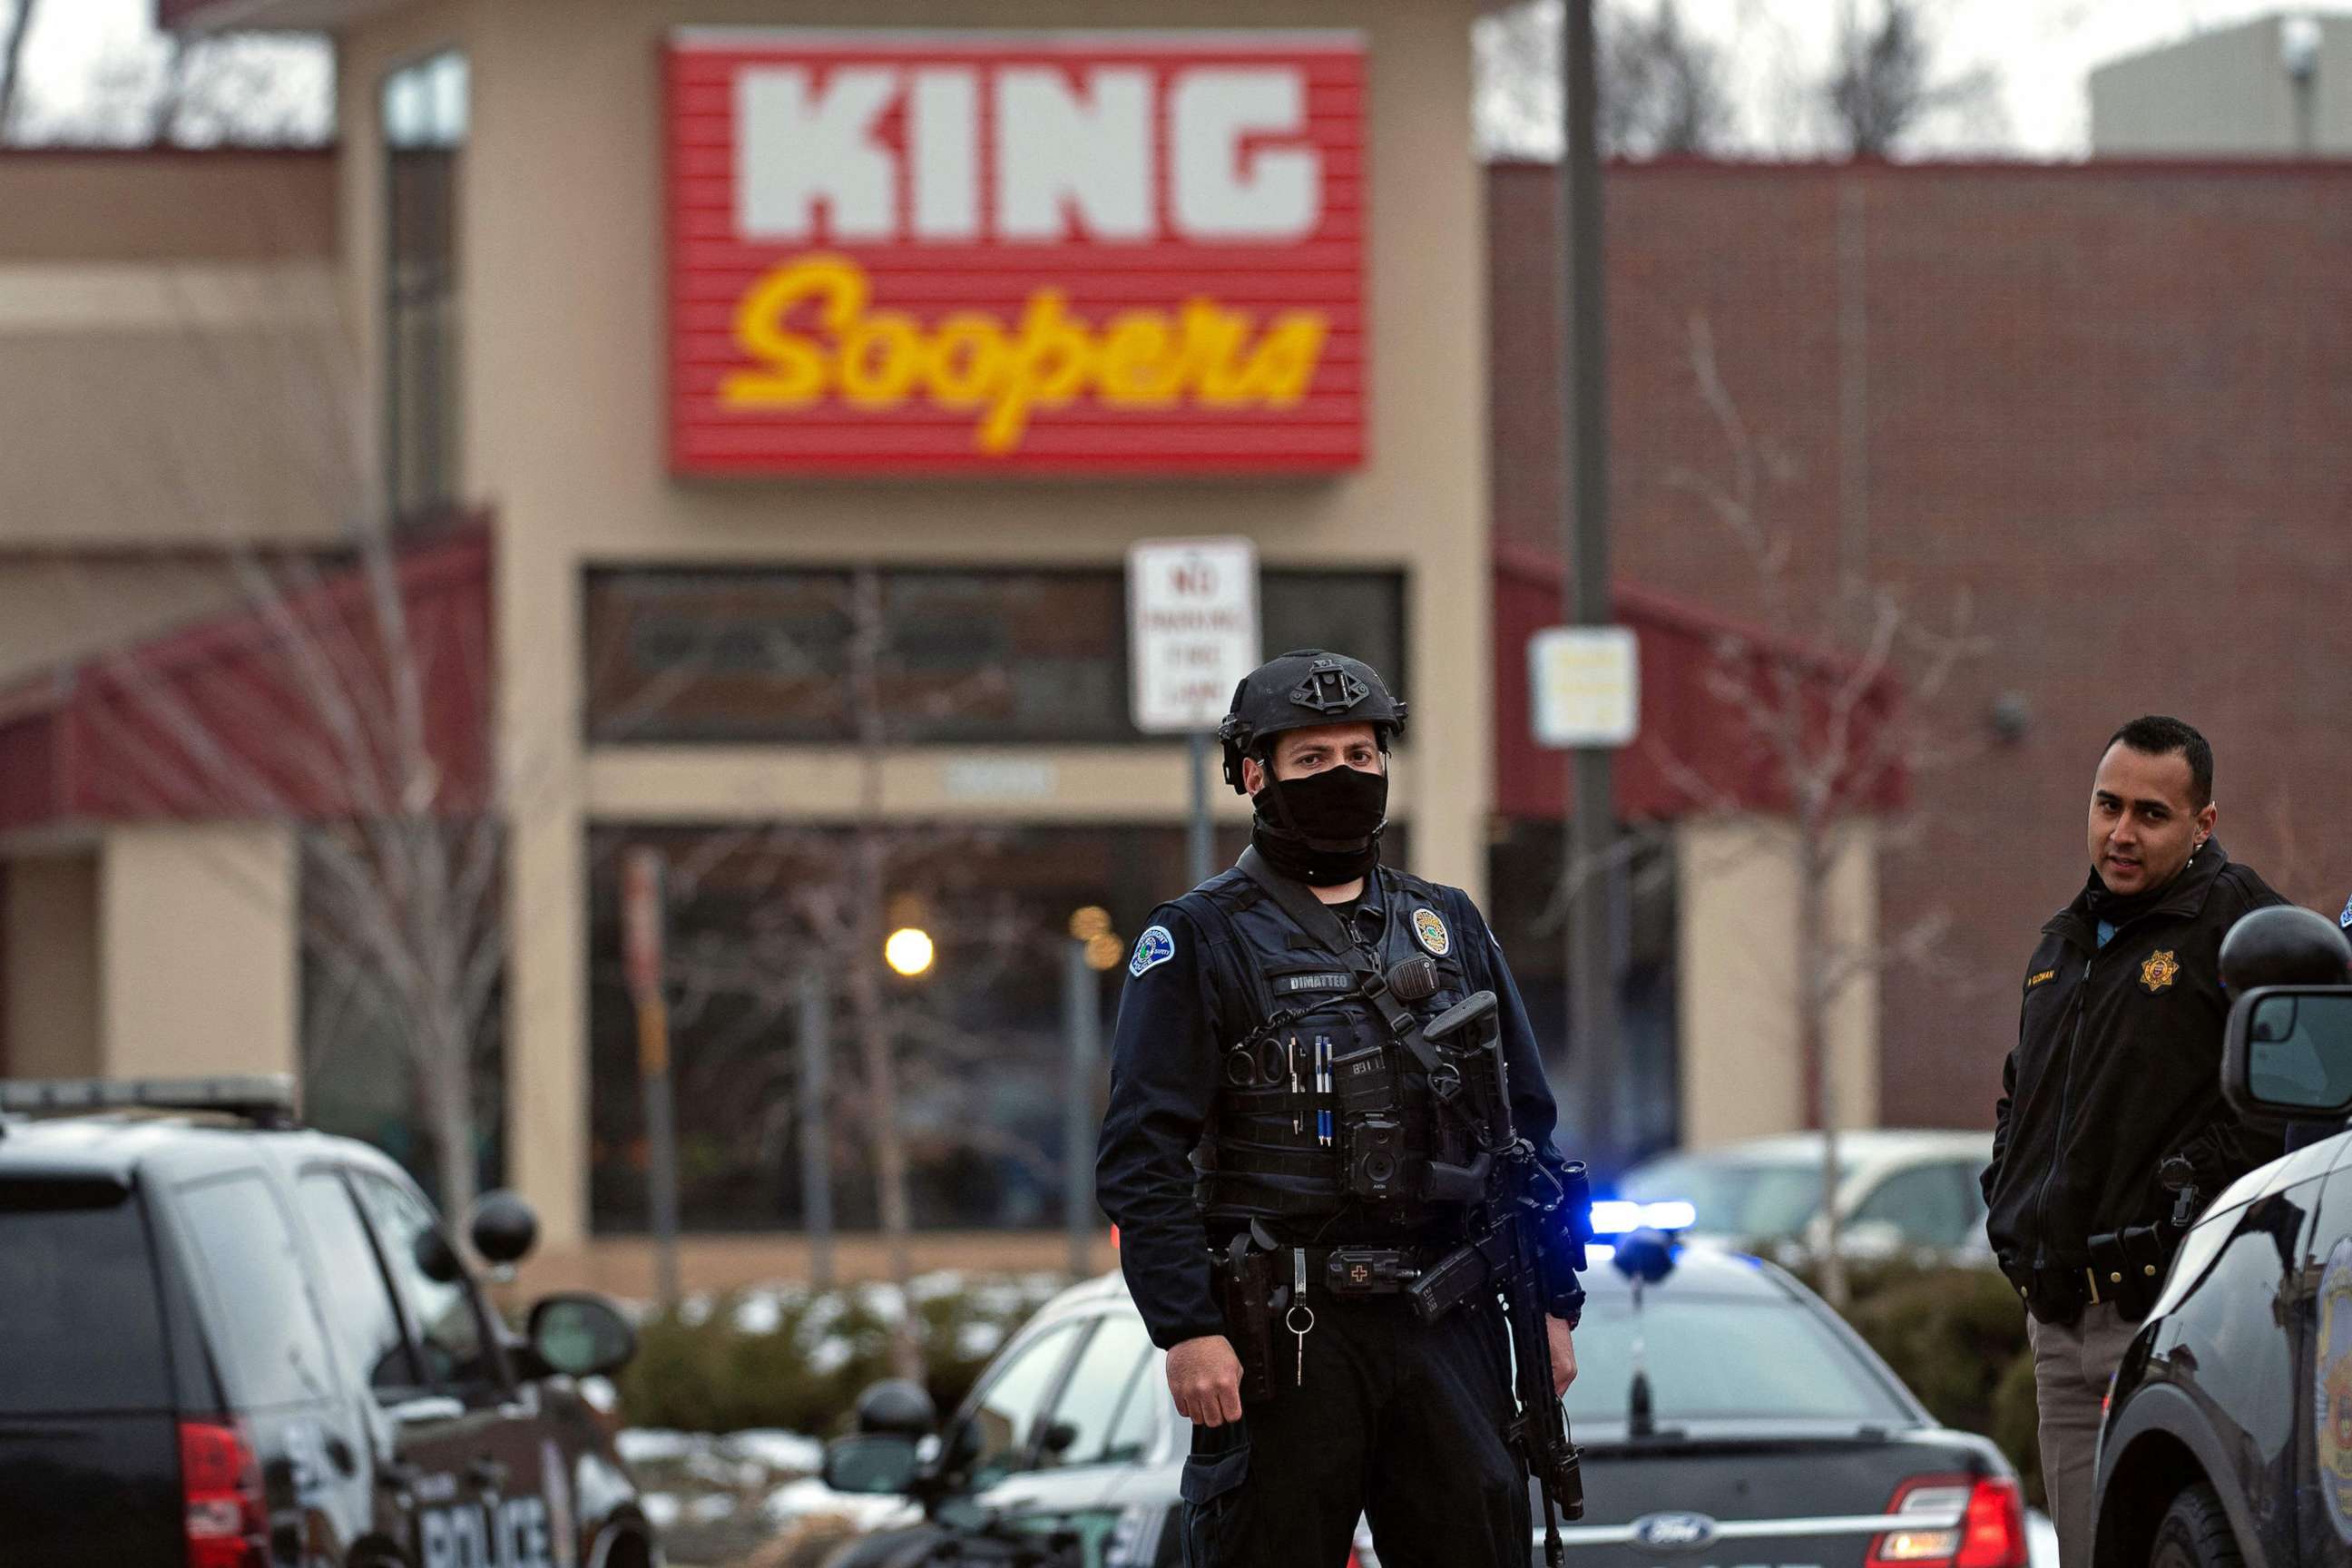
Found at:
(1324, 829)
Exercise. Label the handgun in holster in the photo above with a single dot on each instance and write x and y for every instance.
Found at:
(1245, 1279)
(2128, 1266)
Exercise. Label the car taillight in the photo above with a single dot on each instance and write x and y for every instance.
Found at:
(1964, 1522)
(221, 1486)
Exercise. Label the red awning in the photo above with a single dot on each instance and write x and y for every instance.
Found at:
(289, 708)
(1695, 751)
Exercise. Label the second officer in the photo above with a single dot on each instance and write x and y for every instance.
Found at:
(1263, 1117)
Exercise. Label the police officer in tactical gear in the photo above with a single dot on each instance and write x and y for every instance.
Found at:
(1265, 1124)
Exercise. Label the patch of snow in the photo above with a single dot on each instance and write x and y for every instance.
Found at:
(790, 1453)
(797, 1498)
(978, 1339)
(711, 1508)
(661, 1509)
(652, 1444)
(758, 1315)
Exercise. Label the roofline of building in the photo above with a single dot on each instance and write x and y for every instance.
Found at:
(2197, 35)
(1635, 603)
(1683, 164)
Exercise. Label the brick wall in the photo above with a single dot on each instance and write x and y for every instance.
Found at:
(2107, 404)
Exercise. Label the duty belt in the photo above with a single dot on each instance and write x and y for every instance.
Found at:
(2057, 1294)
(1353, 1271)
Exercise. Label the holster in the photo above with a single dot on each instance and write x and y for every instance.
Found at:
(2127, 1267)
(1245, 1287)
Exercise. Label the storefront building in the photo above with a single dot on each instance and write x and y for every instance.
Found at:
(747, 337)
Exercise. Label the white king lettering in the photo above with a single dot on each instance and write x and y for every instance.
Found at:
(1074, 154)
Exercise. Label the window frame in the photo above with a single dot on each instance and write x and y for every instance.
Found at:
(435, 434)
(214, 1312)
(1929, 1174)
(598, 578)
(501, 1385)
(1078, 1331)
(401, 1314)
(1097, 1325)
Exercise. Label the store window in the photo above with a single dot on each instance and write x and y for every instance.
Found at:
(978, 1042)
(1527, 909)
(424, 111)
(984, 657)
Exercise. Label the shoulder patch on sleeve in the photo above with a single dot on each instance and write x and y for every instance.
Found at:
(1156, 945)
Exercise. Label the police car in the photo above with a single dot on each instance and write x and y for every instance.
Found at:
(229, 1342)
(1727, 1418)
(2228, 1438)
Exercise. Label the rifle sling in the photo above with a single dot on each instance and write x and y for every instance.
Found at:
(1314, 917)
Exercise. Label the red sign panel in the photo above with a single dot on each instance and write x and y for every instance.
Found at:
(1016, 253)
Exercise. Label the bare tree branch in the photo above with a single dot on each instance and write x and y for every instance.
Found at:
(12, 56)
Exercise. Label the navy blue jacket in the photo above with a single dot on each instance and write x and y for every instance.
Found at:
(1188, 996)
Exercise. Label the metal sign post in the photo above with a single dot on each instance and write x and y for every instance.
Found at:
(816, 1125)
(1192, 634)
(642, 919)
(1082, 1023)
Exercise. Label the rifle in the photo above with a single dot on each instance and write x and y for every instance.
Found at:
(1528, 1252)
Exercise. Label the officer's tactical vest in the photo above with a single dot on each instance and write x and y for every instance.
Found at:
(1280, 993)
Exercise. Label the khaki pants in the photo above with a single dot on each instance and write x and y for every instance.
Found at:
(2072, 1364)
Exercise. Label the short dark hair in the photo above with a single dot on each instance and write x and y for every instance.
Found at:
(2160, 735)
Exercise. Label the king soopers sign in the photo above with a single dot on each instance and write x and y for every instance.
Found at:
(1072, 252)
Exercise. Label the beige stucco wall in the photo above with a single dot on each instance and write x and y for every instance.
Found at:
(1737, 901)
(564, 386)
(57, 608)
(173, 369)
(50, 945)
(197, 949)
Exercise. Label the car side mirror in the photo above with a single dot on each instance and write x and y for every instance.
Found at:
(871, 1464)
(2286, 1054)
(581, 1335)
(435, 1259)
(504, 1229)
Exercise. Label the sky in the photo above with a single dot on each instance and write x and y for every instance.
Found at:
(2041, 49)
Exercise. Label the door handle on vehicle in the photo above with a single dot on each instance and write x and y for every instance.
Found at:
(486, 1473)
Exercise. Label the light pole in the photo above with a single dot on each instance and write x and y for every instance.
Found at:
(1585, 597)
(2299, 44)
(1092, 948)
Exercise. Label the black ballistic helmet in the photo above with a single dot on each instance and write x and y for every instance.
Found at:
(2284, 945)
(1304, 688)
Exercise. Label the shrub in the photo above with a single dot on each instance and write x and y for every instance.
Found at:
(793, 1360)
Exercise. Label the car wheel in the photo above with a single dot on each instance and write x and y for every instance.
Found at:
(2195, 1533)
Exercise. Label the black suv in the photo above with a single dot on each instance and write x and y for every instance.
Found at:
(2229, 1430)
(229, 1342)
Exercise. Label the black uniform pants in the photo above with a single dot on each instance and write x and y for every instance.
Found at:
(1406, 1424)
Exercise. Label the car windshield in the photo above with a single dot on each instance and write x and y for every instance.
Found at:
(1741, 1197)
(1713, 1358)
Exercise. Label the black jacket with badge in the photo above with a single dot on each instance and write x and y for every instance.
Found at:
(1212, 970)
(2117, 1069)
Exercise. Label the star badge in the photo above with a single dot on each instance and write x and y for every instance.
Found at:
(2157, 972)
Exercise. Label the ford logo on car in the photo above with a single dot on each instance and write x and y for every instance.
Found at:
(1673, 1532)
